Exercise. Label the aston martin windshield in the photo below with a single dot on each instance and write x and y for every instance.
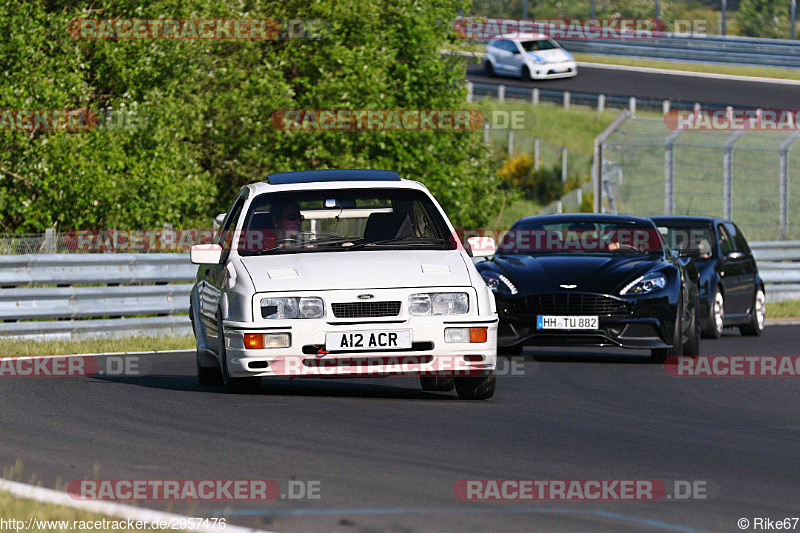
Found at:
(581, 237)
(342, 220)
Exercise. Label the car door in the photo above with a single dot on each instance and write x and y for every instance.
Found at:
(748, 266)
(732, 267)
(504, 56)
(211, 277)
(517, 59)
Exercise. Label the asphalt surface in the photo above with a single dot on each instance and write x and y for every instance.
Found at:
(387, 455)
(706, 91)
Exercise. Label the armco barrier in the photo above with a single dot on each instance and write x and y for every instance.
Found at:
(58, 295)
(84, 295)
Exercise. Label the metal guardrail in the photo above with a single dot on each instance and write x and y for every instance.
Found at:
(707, 49)
(57, 296)
(84, 295)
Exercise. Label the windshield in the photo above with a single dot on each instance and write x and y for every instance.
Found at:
(679, 236)
(538, 45)
(582, 237)
(343, 220)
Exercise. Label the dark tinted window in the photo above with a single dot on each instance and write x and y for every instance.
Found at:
(725, 242)
(739, 242)
(538, 44)
(681, 235)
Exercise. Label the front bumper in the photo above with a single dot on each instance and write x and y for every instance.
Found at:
(308, 356)
(565, 69)
(642, 324)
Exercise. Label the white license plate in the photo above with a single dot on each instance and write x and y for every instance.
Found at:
(368, 340)
(567, 322)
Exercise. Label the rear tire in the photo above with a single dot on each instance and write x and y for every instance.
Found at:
(716, 316)
(436, 383)
(477, 388)
(758, 313)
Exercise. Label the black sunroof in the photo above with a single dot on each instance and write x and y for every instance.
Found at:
(310, 176)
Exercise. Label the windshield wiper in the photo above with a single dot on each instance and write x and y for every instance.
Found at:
(405, 241)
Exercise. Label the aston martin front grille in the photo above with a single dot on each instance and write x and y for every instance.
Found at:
(568, 304)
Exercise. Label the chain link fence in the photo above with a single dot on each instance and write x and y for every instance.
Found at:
(747, 176)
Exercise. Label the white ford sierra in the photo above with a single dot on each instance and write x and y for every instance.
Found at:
(341, 273)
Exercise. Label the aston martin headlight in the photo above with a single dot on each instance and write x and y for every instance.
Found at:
(438, 303)
(499, 283)
(305, 307)
(645, 284)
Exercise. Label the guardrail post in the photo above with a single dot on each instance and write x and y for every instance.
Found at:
(501, 93)
(50, 240)
(727, 175)
(696, 108)
(724, 15)
(632, 105)
(665, 106)
(563, 164)
(559, 206)
(601, 103)
(536, 153)
(669, 173)
(784, 183)
(485, 132)
(535, 96)
(793, 17)
(566, 100)
(469, 91)
(510, 143)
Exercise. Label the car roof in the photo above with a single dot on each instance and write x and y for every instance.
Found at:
(584, 217)
(333, 179)
(687, 218)
(516, 37)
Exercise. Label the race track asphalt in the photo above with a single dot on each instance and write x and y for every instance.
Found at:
(387, 455)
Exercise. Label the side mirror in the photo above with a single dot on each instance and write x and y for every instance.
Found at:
(206, 254)
(690, 251)
(218, 220)
(481, 246)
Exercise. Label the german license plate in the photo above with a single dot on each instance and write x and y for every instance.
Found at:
(567, 322)
(368, 340)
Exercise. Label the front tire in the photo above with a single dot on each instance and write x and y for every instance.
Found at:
(526, 74)
(477, 388)
(233, 385)
(660, 355)
(514, 349)
(692, 344)
(758, 313)
(488, 68)
(208, 375)
(716, 316)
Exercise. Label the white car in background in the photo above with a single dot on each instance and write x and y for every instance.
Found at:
(368, 275)
(534, 58)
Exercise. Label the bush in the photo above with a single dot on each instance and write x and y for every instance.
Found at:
(543, 185)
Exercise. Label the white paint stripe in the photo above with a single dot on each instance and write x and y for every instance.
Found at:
(118, 510)
(650, 70)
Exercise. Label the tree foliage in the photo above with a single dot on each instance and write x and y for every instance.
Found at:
(208, 104)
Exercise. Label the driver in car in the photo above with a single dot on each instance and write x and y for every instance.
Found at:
(287, 221)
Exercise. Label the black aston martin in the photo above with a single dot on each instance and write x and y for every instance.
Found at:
(593, 280)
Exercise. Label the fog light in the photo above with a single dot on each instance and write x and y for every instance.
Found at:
(277, 340)
(478, 334)
(456, 335)
(253, 341)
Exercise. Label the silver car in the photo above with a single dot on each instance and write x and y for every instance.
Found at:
(535, 58)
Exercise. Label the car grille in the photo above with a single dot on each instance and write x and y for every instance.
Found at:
(569, 304)
(365, 309)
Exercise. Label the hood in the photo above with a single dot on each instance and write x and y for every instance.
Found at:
(357, 270)
(555, 55)
(591, 273)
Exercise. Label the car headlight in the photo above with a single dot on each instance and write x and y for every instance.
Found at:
(305, 307)
(499, 283)
(645, 284)
(438, 303)
(538, 60)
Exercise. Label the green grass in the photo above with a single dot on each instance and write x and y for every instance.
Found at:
(23, 510)
(14, 348)
(790, 308)
(735, 70)
(513, 212)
